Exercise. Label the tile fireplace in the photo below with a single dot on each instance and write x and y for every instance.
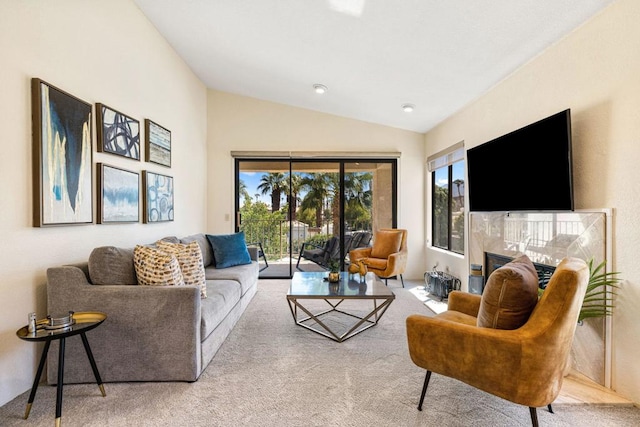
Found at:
(547, 238)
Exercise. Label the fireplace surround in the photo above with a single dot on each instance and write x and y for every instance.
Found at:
(546, 238)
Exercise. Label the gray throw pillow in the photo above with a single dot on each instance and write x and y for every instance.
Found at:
(109, 265)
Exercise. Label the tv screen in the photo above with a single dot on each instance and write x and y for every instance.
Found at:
(528, 169)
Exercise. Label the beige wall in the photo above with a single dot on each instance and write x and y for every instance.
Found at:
(99, 51)
(72, 44)
(239, 123)
(594, 71)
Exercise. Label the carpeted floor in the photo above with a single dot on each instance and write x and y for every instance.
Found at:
(270, 372)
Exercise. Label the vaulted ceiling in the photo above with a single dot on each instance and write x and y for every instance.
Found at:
(372, 55)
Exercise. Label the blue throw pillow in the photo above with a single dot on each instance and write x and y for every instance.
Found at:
(229, 249)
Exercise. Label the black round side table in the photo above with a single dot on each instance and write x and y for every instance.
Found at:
(84, 321)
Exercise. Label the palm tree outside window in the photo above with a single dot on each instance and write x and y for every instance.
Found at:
(447, 199)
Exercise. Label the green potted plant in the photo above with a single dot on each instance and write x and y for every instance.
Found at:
(334, 270)
(597, 303)
(598, 298)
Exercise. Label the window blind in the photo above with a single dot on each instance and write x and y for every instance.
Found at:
(446, 157)
(316, 154)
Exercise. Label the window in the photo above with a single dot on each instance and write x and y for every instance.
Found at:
(447, 199)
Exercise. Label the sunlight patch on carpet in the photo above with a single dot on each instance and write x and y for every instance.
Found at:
(433, 303)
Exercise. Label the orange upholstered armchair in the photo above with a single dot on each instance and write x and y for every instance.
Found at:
(388, 255)
(523, 364)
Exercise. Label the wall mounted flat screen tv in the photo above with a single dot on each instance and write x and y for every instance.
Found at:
(529, 169)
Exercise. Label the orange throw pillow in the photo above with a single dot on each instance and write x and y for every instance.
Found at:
(510, 296)
(387, 242)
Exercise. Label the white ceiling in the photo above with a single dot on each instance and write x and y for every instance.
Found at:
(373, 55)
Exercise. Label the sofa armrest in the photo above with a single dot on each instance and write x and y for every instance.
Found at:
(152, 333)
(507, 363)
(471, 354)
(464, 303)
(396, 264)
(356, 254)
(253, 252)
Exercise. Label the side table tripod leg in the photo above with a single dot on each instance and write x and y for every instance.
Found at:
(94, 367)
(60, 382)
(36, 381)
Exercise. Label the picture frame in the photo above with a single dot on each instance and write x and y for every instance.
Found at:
(62, 157)
(118, 195)
(158, 143)
(117, 133)
(158, 197)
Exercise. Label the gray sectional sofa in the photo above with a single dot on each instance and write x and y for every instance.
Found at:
(152, 333)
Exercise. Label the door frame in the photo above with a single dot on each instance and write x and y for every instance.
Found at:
(341, 161)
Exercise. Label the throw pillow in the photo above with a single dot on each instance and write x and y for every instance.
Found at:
(155, 267)
(191, 265)
(229, 249)
(510, 295)
(109, 265)
(205, 247)
(387, 242)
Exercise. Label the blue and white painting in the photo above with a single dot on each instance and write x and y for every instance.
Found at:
(118, 133)
(120, 190)
(158, 144)
(64, 144)
(158, 197)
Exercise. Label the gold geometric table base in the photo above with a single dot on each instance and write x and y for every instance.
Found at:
(362, 324)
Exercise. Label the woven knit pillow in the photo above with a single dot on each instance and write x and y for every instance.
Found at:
(156, 268)
(510, 296)
(190, 259)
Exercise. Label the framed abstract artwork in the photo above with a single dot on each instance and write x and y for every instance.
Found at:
(158, 143)
(158, 197)
(117, 133)
(62, 157)
(118, 195)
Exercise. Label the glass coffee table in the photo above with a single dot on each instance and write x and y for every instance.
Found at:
(306, 286)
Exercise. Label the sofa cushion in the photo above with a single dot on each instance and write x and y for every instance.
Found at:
(229, 249)
(223, 295)
(510, 295)
(155, 267)
(246, 275)
(109, 265)
(387, 242)
(205, 246)
(190, 259)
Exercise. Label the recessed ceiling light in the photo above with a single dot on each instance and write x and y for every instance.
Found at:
(407, 108)
(320, 89)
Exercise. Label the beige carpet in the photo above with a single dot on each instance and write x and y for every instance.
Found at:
(270, 372)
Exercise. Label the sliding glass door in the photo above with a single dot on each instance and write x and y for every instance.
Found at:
(262, 212)
(302, 214)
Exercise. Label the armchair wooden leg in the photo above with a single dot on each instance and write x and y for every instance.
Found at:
(424, 389)
(402, 280)
(534, 416)
(550, 408)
